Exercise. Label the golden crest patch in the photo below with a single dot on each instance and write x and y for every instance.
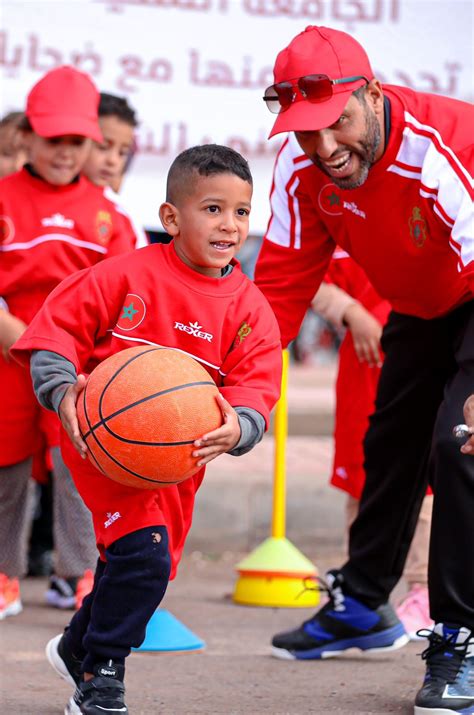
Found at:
(243, 332)
(103, 227)
(417, 226)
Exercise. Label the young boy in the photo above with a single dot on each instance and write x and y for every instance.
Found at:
(194, 280)
(53, 223)
(12, 149)
(108, 159)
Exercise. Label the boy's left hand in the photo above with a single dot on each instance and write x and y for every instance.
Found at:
(68, 415)
(221, 439)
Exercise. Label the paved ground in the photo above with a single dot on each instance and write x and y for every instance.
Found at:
(235, 674)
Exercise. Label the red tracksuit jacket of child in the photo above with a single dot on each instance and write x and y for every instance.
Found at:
(151, 297)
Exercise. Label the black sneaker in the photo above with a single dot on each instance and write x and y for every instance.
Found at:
(63, 660)
(341, 624)
(449, 681)
(103, 694)
(61, 592)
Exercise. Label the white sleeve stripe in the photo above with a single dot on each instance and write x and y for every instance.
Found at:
(302, 163)
(455, 246)
(437, 207)
(429, 195)
(53, 237)
(456, 251)
(284, 226)
(403, 172)
(417, 127)
(441, 216)
(447, 219)
(295, 211)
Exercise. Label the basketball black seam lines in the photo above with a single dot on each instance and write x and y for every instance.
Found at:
(117, 372)
(111, 457)
(103, 421)
(92, 428)
(91, 433)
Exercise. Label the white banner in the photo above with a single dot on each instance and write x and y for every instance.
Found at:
(195, 70)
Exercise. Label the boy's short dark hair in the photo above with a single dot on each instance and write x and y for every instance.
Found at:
(112, 106)
(204, 160)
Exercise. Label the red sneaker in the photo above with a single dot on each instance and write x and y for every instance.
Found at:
(10, 602)
(84, 587)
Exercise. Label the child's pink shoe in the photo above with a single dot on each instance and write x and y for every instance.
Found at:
(414, 611)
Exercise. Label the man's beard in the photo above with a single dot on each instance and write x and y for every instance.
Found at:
(366, 152)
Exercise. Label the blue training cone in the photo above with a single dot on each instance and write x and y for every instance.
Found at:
(165, 634)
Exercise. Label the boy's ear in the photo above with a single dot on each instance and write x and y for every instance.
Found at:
(169, 215)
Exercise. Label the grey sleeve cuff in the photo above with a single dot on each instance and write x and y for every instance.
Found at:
(51, 375)
(252, 426)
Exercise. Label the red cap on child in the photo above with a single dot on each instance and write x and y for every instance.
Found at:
(319, 50)
(64, 101)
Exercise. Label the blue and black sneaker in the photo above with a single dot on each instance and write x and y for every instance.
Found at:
(341, 624)
(449, 681)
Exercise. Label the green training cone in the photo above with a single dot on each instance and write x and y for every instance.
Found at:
(277, 556)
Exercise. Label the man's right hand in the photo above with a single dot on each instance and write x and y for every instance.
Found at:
(68, 415)
(468, 447)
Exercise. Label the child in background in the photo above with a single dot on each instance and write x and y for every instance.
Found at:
(12, 157)
(346, 298)
(12, 149)
(53, 223)
(110, 159)
(193, 278)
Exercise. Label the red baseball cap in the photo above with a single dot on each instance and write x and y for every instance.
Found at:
(64, 101)
(319, 50)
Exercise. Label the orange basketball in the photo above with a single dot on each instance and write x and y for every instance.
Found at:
(140, 412)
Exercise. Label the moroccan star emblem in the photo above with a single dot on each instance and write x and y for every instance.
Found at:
(333, 199)
(128, 312)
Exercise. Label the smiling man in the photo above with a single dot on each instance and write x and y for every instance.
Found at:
(385, 173)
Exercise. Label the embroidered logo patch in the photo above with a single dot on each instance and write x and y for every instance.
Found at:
(103, 227)
(193, 329)
(132, 313)
(243, 332)
(330, 200)
(111, 518)
(417, 225)
(58, 220)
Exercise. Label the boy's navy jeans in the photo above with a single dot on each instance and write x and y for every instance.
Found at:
(128, 588)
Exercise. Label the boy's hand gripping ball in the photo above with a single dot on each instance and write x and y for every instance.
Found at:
(140, 412)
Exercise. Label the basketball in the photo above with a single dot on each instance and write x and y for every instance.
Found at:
(140, 412)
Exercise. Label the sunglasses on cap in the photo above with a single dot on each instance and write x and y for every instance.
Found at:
(312, 87)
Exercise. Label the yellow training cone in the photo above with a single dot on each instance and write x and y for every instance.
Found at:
(277, 575)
